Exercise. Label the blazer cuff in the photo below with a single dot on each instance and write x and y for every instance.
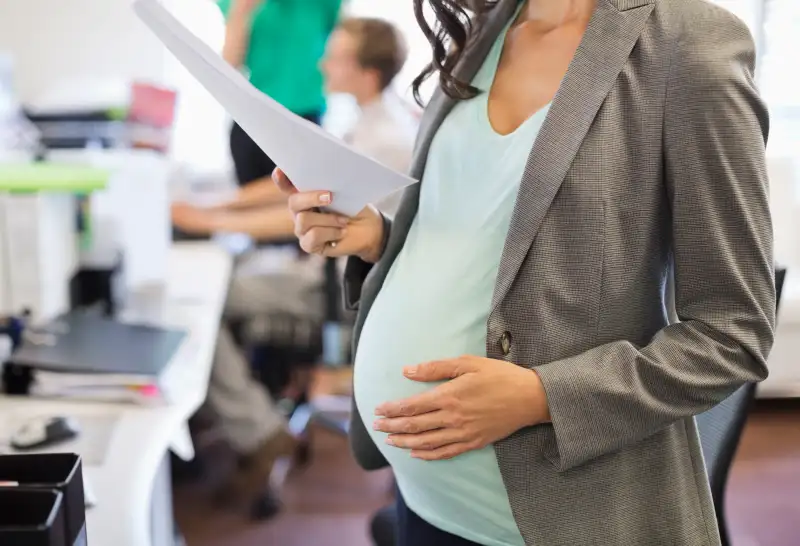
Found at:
(356, 271)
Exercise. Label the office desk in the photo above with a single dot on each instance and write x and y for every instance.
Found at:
(132, 485)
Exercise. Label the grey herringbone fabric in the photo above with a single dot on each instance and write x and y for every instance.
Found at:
(651, 157)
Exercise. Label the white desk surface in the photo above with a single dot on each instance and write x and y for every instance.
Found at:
(194, 297)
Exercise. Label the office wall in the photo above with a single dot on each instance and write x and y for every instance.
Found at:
(59, 43)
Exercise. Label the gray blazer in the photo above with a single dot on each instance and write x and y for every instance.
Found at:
(651, 159)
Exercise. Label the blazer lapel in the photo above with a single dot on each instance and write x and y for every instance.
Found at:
(612, 32)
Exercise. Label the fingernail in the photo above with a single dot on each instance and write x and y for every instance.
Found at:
(376, 425)
(325, 198)
(343, 221)
(389, 440)
(379, 412)
(410, 372)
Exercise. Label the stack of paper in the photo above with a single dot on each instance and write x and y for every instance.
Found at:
(310, 157)
(137, 389)
(87, 356)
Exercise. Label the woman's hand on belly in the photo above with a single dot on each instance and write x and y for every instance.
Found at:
(482, 401)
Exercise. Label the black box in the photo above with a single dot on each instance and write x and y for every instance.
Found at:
(31, 517)
(52, 471)
(99, 282)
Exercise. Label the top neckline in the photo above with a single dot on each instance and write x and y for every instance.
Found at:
(492, 61)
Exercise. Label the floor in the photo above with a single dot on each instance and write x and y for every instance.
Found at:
(330, 503)
(763, 502)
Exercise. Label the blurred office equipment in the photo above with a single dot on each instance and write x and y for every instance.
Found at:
(18, 137)
(40, 240)
(131, 481)
(84, 356)
(142, 119)
(131, 214)
(128, 135)
(44, 432)
(41, 252)
(99, 282)
(151, 116)
(31, 517)
(46, 506)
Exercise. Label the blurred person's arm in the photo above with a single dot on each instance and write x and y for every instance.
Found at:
(263, 224)
(238, 17)
(259, 193)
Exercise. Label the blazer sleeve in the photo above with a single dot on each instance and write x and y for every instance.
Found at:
(715, 130)
(356, 271)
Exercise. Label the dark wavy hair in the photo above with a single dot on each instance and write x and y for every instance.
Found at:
(455, 25)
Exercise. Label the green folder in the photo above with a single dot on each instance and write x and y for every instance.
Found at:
(51, 177)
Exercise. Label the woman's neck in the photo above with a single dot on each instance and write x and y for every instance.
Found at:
(551, 14)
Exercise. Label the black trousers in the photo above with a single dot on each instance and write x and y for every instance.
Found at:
(412, 530)
(250, 162)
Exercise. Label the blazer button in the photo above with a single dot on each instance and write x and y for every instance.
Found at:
(505, 343)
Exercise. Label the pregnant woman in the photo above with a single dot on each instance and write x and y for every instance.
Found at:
(515, 361)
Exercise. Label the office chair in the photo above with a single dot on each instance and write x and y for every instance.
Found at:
(283, 344)
(284, 347)
(720, 431)
(383, 527)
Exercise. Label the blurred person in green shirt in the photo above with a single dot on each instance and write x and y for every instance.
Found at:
(279, 43)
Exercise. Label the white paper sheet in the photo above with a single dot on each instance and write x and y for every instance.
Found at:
(310, 157)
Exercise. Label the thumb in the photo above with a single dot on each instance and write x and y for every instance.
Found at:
(282, 181)
(440, 370)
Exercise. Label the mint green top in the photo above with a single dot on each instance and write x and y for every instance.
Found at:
(287, 41)
(435, 304)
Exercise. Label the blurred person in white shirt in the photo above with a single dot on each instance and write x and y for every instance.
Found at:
(362, 59)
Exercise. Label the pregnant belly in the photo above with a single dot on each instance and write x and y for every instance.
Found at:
(441, 491)
(393, 338)
(378, 372)
(402, 331)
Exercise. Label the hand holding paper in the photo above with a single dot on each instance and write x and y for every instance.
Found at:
(332, 235)
(310, 157)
